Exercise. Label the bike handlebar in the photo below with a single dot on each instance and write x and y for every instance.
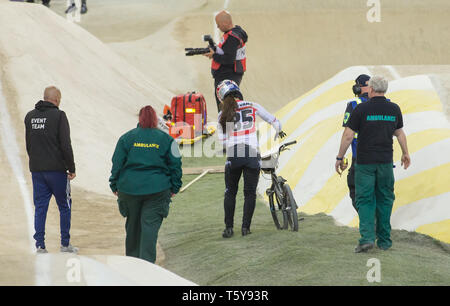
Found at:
(290, 143)
(283, 146)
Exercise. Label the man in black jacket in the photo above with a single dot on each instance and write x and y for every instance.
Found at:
(229, 58)
(51, 164)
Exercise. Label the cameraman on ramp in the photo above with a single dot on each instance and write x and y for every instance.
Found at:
(228, 59)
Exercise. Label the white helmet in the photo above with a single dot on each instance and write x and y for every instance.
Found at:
(227, 87)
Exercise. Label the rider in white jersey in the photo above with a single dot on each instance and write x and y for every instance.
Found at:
(237, 129)
(243, 130)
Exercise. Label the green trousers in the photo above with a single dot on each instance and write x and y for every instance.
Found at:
(374, 199)
(144, 214)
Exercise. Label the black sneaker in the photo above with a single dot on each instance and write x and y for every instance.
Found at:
(362, 248)
(228, 232)
(83, 8)
(245, 231)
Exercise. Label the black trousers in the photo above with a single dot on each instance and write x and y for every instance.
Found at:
(234, 77)
(232, 177)
(351, 182)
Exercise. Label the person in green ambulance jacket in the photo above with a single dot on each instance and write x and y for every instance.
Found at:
(146, 172)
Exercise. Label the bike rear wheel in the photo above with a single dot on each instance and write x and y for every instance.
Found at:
(290, 207)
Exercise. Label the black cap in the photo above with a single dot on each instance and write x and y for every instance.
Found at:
(362, 79)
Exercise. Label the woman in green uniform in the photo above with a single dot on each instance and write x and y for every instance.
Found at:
(146, 173)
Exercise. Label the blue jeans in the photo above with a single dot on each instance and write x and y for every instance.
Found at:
(46, 184)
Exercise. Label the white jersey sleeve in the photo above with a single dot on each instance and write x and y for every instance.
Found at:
(268, 117)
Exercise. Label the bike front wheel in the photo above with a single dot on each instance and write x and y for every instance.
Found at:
(290, 207)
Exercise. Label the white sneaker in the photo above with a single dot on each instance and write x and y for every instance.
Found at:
(40, 250)
(69, 249)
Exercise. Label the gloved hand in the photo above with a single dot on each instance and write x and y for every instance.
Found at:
(281, 134)
(277, 127)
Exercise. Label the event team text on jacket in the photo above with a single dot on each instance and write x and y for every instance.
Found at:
(48, 139)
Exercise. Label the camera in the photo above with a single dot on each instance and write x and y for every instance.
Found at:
(197, 51)
(210, 41)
